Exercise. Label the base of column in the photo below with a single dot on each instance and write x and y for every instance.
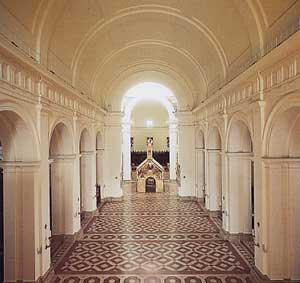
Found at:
(129, 188)
(112, 199)
(171, 187)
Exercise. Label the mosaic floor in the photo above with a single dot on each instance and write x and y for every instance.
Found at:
(152, 238)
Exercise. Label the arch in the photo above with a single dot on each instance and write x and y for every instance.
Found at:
(279, 131)
(60, 140)
(61, 184)
(239, 147)
(87, 170)
(281, 149)
(99, 140)
(19, 139)
(136, 97)
(239, 138)
(200, 138)
(67, 129)
(19, 166)
(182, 52)
(160, 72)
(99, 165)
(214, 138)
(85, 141)
(19, 135)
(150, 9)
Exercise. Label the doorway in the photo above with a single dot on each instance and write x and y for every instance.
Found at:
(150, 185)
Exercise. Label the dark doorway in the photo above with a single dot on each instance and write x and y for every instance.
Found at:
(98, 195)
(150, 185)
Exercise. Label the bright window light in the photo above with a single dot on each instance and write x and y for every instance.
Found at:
(149, 123)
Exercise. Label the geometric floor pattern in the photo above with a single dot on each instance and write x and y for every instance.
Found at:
(153, 238)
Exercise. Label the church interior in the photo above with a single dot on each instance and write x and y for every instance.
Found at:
(149, 141)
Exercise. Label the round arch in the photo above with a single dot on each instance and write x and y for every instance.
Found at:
(19, 162)
(155, 92)
(19, 136)
(214, 137)
(239, 136)
(60, 140)
(85, 140)
(66, 124)
(279, 127)
(99, 140)
(200, 138)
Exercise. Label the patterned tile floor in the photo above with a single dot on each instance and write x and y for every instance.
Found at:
(152, 238)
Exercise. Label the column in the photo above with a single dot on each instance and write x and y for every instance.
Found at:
(65, 195)
(213, 201)
(126, 134)
(88, 180)
(173, 148)
(239, 198)
(113, 156)
(225, 192)
(23, 244)
(100, 164)
(187, 160)
(200, 173)
(282, 196)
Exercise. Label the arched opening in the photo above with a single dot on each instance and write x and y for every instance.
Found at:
(241, 179)
(150, 185)
(200, 165)
(99, 167)
(18, 168)
(87, 174)
(213, 200)
(61, 186)
(282, 171)
(149, 113)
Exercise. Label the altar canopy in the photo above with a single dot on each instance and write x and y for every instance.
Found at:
(150, 173)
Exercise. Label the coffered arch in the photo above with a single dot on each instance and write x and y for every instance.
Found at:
(213, 39)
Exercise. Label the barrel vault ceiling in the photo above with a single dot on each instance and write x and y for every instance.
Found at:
(103, 47)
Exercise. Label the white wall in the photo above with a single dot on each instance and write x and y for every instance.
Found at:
(186, 144)
(112, 156)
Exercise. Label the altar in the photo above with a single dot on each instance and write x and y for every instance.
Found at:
(150, 173)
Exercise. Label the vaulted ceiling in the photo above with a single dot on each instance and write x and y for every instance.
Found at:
(104, 47)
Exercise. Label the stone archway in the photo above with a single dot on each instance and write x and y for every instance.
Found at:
(19, 154)
(200, 165)
(281, 168)
(240, 199)
(99, 166)
(214, 171)
(62, 193)
(87, 173)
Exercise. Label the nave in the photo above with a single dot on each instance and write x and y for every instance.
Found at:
(151, 238)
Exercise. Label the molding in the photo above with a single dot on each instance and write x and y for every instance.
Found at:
(13, 164)
(273, 71)
(113, 199)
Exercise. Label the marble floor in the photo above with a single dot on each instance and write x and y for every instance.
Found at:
(153, 238)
